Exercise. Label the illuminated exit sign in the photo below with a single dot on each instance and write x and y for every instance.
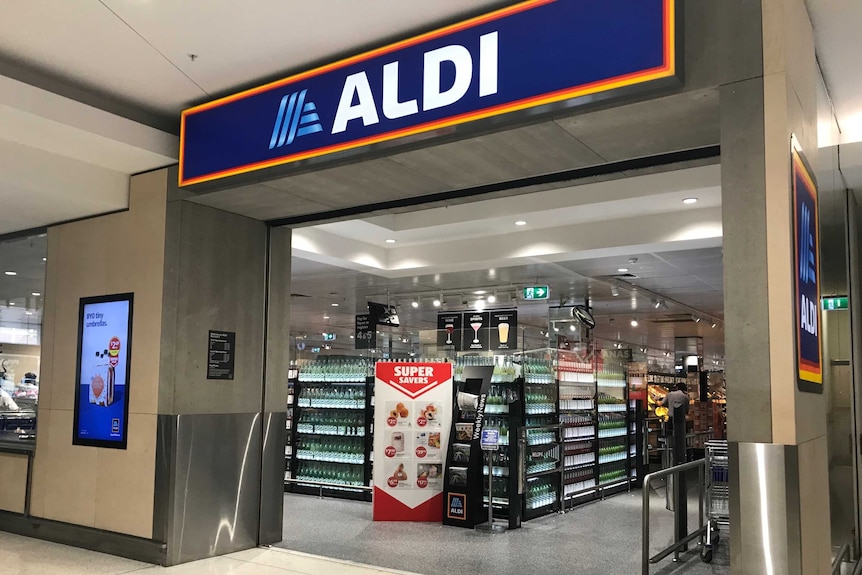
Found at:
(833, 303)
(537, 292)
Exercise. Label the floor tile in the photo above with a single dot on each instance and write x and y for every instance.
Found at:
(217, 566)
(310, 564)
(26, 556)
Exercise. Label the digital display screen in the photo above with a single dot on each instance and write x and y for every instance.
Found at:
(102, 383)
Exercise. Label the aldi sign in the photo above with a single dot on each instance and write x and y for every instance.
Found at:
(806, 250)
(537, 54)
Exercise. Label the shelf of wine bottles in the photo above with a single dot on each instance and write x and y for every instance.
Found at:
(541, 492)
(334, 473)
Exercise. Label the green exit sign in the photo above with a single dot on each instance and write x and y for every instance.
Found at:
(833, 303)
(537, 292)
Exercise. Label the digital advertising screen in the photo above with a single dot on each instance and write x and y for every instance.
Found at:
(102, 383)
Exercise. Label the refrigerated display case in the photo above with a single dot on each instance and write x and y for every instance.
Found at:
(613, 430)
(329, 446)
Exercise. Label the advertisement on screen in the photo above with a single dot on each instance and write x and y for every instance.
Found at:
(102, 386)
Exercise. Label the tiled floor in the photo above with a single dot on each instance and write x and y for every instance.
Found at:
(25, 556)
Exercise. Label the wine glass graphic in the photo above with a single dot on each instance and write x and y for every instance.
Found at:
(476, 325)
(450, 329)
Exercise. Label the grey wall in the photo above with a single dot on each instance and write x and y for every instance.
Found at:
(208, 457)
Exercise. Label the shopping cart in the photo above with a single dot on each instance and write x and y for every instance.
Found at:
(717, 495)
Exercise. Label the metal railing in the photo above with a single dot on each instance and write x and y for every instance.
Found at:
(678, 544)
(842, 554)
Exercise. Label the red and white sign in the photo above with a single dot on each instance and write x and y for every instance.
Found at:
(413, 414)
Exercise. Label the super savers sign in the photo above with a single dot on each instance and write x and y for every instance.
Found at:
(531, 54)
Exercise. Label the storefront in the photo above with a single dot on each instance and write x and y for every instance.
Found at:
(439, 142)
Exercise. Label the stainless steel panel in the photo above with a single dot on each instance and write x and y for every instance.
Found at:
(214, 486)
(765, 509)
(272, 478)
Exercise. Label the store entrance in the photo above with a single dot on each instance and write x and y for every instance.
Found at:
(579, 347)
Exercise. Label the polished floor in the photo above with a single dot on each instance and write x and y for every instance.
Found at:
(25, 556)
(599, 538)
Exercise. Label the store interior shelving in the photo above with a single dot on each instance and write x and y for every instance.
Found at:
(330, 420)
(577, 390)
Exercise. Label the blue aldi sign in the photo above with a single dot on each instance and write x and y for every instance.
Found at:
(806, 238)
(538, 55)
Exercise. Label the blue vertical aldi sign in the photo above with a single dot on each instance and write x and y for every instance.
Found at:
(538, 54)
(806, 250)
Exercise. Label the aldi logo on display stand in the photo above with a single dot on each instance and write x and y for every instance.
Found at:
(457, 506)
(536, 56)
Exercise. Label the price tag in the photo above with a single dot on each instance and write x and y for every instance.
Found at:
(490, 440)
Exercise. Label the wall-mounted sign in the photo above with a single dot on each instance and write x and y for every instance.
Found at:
(365, 334)
(449, 330)
(806, 285)
(537, 292)
(542, 54)
(102, 378)
(834, 303)
(328, 336)
(221, 356)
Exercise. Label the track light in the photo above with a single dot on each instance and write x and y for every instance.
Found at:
(615, 291)
(634, 322)
(436, 302)
(696, 319)
(415, 303)
(572, 327)
(492, 298)
(713, 325)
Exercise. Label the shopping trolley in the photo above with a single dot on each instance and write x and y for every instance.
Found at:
(717, 495)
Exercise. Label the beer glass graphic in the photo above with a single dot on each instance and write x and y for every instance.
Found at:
(503, 332)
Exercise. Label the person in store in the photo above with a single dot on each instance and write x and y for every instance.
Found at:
(675, 399)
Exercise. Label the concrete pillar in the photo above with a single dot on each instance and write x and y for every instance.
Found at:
(777, 434)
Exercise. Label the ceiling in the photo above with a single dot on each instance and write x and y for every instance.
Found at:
(634, 234)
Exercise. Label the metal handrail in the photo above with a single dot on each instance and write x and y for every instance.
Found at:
(836, 563)
(700, 465)
(857, 569)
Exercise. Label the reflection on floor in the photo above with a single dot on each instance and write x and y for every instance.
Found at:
(599, 538)
(25, 556)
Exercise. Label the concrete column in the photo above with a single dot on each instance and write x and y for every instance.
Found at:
(779, 491)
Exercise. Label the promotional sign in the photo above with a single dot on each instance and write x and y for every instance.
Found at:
(537, 292)
(476, 331)
(102, 379)
(449, 327)
(490, 440)
(806, 266)
(365, 334)
(547, 54)
(503, 329)
(412, 417)
(222, 355)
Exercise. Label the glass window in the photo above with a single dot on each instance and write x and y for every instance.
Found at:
(22, 284)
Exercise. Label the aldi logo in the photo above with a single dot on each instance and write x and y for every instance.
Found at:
(457, 506)
(295, 118)
(413, 379)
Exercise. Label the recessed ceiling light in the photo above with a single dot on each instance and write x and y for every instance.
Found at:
(44, 259)
(334, 305)
(11, 273)
(29, 313)
(35, 293)
(690, 201)
(351, 336)
(479, 292)
(634, 322)
(492, 298)
(436, 302)
(414, 303)
(11, 303)
(622, 270)
(390, 241)
(325, 316)
(521, 223)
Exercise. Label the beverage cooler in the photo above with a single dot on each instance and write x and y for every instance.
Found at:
(330, 414)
